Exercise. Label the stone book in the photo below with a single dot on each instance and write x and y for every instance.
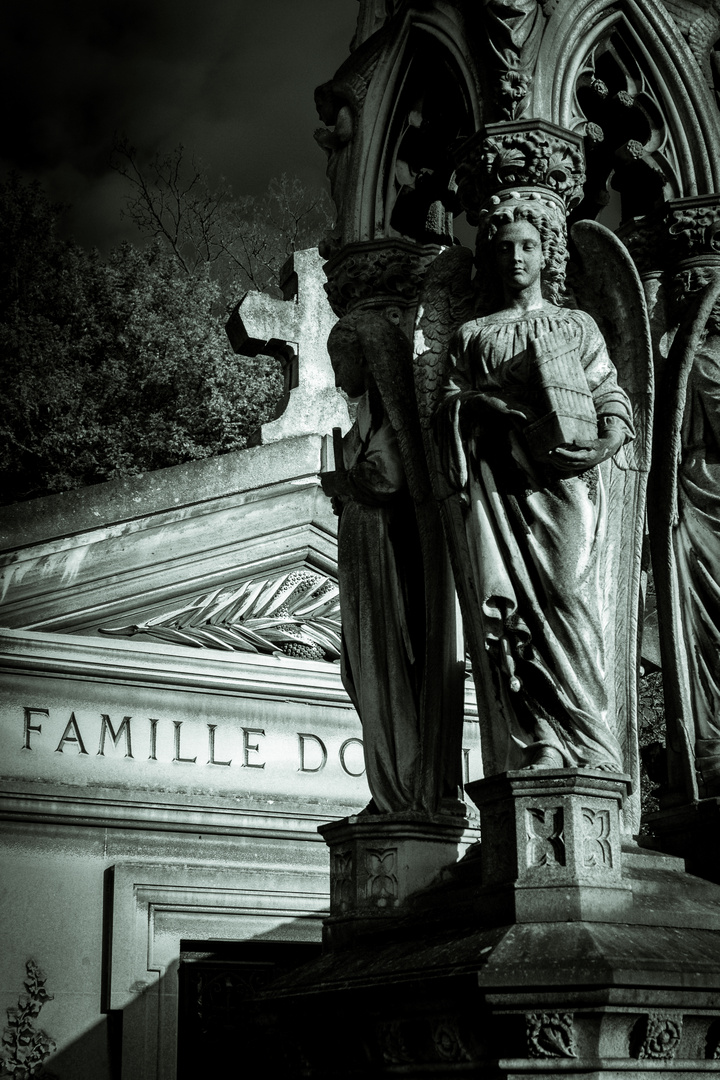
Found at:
(561, 397)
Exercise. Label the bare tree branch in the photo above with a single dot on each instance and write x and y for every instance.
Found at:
(241, 240)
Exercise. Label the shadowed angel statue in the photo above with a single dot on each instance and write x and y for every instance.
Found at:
(539, 450)
(400, 664)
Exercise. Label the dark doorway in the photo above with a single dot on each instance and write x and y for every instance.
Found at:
(215, 1032)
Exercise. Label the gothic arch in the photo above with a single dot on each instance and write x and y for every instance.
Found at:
(575, 31)
(425, 55)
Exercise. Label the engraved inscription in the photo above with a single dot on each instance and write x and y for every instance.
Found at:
(30, 727)
(211, 747)
(108, 729)
(546, 843)
(252, 748)
(177, 724)
(343, 753)
(108, 737)
(71, 734)
(597, 850)
(318, 757)
(381, 887)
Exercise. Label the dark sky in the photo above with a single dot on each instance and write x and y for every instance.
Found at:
(232, 80)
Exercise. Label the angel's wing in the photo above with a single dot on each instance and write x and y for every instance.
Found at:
(446, 302)
(608, 287)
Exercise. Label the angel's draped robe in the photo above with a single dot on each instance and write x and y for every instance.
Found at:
(380, 580)
(535, 541)
(697, 551)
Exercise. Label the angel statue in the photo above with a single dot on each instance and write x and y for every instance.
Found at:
(396, 595)
(541, 483)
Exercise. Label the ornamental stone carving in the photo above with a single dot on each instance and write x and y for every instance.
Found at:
(341, 887)
(694, 226)
(296, 614)
(659, 1036)
(381, 885)
(546, 844)
(386, 271)
(532, 153)
(550, 1035)
(448, 1042)
(597, 847)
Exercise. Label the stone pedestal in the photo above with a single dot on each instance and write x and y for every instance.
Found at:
(377, 862)
(551, 846)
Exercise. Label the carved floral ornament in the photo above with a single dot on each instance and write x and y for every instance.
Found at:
(532, 153)
(389, 270)
(295, 614)
(694, 226)
(550, 1034)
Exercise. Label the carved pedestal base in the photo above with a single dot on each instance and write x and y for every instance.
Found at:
(555, 954)
(377, 862)
(551, 846)
(691, 831)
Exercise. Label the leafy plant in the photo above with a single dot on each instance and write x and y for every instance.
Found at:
(25, 1047)
(242, 240)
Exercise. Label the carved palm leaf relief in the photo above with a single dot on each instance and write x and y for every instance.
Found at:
(297, 614)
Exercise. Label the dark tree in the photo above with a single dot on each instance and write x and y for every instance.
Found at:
(111, 367)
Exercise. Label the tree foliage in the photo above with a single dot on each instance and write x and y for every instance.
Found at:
(111, 367)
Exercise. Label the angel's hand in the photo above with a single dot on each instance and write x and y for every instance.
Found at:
(480, 406)
(332, 483)
(336, 486)
(572, 462)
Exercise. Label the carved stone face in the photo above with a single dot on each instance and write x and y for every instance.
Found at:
(518, 254)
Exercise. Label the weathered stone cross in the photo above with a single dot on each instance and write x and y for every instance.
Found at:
(295, 330)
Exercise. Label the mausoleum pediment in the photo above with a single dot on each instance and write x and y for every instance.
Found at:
(123, 553)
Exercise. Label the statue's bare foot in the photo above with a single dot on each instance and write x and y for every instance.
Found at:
(548, 758)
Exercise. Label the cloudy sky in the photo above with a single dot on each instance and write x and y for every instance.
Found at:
(232, 80)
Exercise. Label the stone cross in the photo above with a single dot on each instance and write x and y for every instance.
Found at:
(295, 330)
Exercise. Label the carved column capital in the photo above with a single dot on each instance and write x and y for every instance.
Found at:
(694, 229)
(532, 154)
(646, 240)
(382, 272)
(693, 232)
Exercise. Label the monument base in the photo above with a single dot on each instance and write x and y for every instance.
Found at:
(480, 974)
(378, 861)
